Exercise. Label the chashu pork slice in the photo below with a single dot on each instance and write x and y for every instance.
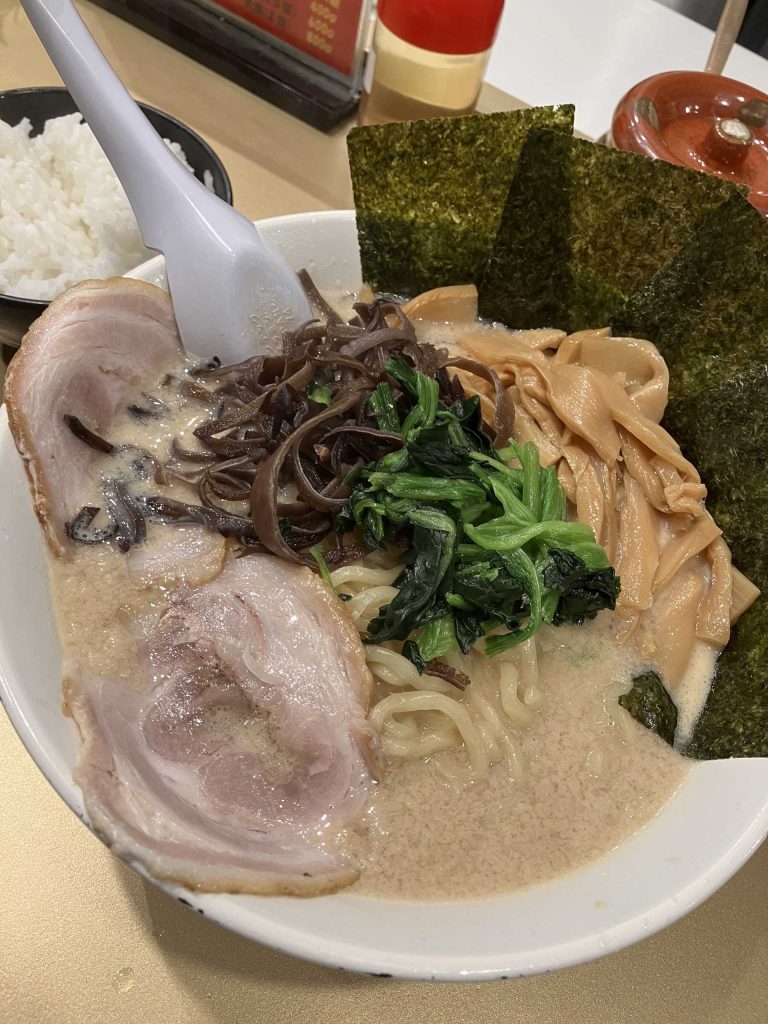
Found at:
(86, 356)
(249, 737)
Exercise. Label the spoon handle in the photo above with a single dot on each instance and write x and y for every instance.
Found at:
(131, 144)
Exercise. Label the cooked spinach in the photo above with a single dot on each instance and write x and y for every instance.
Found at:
(319, 394)
(382, 405)
(487, 551)
(583, 589)
(418, 599)
(649, 704)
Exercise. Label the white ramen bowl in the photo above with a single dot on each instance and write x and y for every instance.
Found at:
(706, 832)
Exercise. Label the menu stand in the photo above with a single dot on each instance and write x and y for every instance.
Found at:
(303, 84)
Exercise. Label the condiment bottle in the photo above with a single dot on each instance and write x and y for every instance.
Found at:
(428, 58)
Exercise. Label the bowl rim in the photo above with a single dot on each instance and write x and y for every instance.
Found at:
(228, 196)
(280, 921)
(703, 76)
(664, 152)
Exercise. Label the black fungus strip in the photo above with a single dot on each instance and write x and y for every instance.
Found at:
(78, 529)
(160, 509)
(154, 409)
(267, 431)
(82, 433)
(126, 513)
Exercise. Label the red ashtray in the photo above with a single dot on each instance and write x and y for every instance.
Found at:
(702, 121)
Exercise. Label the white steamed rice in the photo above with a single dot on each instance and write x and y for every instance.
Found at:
(64, 216)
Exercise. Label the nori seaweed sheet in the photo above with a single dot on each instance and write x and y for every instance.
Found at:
(527, 279)
(584, 227)
(724, 429)
(649, 704)
(708, 313)
(629, 216)
(429, 194)
(708, 308)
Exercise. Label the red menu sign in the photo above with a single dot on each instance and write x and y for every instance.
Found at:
(325, 29)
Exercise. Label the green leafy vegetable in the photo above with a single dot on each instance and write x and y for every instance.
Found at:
(382, 405)
(506, 534)
(521, 568)
(418, 600)
(429, 194)
(424, 412)
(649, 704)
(404, 373)
(444, 447)
(437, 638)
(319, 557)
(584, 587)
(321, 395)
(425, 488)
(481, 559)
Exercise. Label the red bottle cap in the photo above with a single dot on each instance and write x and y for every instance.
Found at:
(443, 26)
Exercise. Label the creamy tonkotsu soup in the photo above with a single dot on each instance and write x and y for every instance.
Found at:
(584, 775)
(583, 778)
(385, 652)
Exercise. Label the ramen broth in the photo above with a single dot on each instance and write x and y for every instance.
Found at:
(584, 778)
(587, 777)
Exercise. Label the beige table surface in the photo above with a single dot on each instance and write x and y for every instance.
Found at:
(83, 939)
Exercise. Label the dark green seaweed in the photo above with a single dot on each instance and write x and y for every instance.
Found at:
(734, 722)
(584, 227)
(708, 313)
(649, 704)
(429, 194)
(526, 282)
(629, 216)
(724, 429)
(707, 309)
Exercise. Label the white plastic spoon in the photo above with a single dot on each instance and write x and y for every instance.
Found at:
(233, 294)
